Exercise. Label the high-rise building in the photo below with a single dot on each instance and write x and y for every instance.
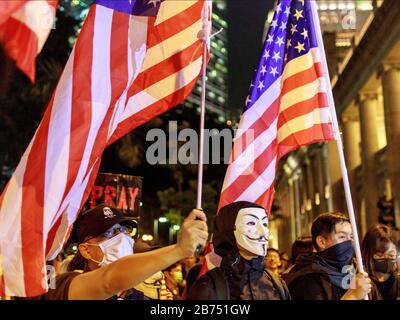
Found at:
(217, 68)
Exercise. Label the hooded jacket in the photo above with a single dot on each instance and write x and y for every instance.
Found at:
(236, 278)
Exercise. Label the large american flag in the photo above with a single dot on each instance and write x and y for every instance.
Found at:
(287, 106)
(132, 61)
(24, 28)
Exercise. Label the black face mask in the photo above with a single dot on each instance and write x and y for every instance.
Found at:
(340, 254)
(384, 265)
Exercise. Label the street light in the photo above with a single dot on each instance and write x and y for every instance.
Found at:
(155, 226)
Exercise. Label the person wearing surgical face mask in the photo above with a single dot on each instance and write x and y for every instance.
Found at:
(380, 258)
(105, 266)
(240, 238)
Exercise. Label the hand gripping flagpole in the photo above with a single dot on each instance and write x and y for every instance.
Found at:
(204, 35)
(339, 145)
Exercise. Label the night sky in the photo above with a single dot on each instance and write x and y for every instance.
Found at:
(246, 20)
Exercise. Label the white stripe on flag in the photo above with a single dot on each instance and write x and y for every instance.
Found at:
(252, 152)
(307, 121)
(39, 16)
(260, 185)
(58, 146)
(10, 230)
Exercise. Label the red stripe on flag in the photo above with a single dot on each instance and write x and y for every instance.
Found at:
(32, 210)
(174, 25)
(319, 132)
(2, 285)
(302, 78)
(320, 100)
(21, 45)
(258, 127)
(267, 198)
(242, 182)
(81, 108)
(166, 68)
(7, 8)
(119, 78)
(152, 111)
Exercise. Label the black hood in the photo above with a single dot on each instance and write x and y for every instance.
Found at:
(224, 241)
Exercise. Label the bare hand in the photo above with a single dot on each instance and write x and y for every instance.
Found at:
(194, 232)
(360, 286)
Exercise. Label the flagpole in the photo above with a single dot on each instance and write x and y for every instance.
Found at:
(339, 145)
(204, 35)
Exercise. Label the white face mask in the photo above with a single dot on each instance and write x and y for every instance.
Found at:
(251, 230)
(115, 248)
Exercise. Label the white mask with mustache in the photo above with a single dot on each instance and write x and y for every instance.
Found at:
(251, 230)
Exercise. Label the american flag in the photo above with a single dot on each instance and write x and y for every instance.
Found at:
(287, 106)
(24, 28)
(132, 61)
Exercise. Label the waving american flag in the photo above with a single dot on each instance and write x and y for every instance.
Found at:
(24, 28)
(132, 61)
(287, 106)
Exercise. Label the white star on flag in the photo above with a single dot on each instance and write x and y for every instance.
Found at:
(280, 41)
(274, 71)
(263, 69)
(277, 56)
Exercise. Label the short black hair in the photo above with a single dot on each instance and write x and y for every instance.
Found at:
(302, 245)
(325, 224)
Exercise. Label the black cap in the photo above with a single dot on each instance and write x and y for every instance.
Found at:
(94, 222)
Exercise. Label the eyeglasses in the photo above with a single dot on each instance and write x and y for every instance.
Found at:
(117, 229)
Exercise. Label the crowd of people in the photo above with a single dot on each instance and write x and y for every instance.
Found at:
(111, 264)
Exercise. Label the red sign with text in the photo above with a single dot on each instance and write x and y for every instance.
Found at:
(117, 190)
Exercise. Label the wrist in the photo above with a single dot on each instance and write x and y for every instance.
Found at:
(180, 252)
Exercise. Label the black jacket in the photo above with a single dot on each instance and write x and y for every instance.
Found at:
(314, 277)
(236, 278)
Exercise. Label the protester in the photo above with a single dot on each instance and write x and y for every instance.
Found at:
(285, 262)
(326, 274)
(105, 266)
(174, 280)
(302, 245)
(272, 261)
(240, 238)
(191, 277)
(380, 258)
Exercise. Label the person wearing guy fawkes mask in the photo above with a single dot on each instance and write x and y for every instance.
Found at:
(380, 255)
(328, 274)
(105, 266)
(240, 238)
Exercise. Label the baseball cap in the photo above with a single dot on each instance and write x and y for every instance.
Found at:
(94, 222)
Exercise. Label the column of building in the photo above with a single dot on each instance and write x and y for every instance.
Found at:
(391, 97)
(368, 105)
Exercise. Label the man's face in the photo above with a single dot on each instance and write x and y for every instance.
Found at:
(251, 231)
(341, 233)
(272, 261)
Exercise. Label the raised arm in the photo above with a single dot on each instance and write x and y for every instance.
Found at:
(129, 271)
